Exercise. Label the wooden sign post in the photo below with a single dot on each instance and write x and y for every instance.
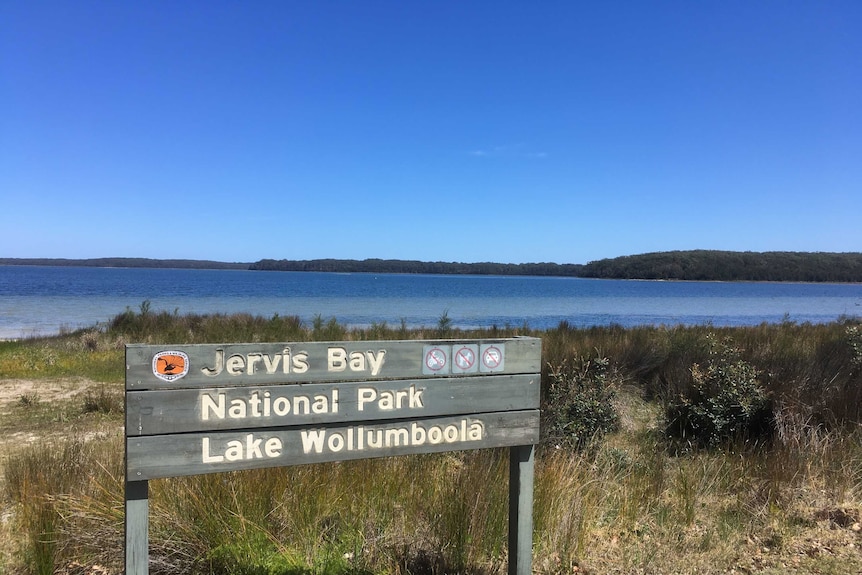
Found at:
(210, 408)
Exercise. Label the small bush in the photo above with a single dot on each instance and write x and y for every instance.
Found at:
(724, 400)
(102, 401)
(579, 404)
(30, 399)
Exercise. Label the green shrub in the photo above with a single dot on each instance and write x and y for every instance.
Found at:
(579, 404)
(724, 400)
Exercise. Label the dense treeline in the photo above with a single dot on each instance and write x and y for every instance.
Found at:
(124, 263)
(417, 267)
(709, 265)
(702, 265)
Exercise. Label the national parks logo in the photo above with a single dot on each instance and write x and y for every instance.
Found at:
(170, 365)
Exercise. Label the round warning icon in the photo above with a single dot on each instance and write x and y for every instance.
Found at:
(492, 357)
(435, 360)
(465, 358)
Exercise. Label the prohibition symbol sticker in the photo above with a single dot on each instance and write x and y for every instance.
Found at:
(464, 359)
(492, 358)
(436, 360)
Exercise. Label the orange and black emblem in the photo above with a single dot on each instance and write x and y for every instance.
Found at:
(170, 365)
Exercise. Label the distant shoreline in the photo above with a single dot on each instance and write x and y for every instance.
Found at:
(125, 263)
(690, 265)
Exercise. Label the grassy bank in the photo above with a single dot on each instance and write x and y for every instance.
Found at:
(654, 460)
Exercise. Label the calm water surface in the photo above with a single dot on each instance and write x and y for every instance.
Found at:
(45, 300)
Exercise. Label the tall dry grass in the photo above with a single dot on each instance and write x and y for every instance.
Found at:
(629, 504)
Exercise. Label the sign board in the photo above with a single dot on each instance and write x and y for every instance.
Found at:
(237, 364)
(206, 408)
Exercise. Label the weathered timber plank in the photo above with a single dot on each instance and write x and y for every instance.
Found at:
(137, 520)
(156, 412)
(198, 453)
(521, 477)
(217, 365)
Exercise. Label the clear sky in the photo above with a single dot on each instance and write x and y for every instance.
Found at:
(462, 131)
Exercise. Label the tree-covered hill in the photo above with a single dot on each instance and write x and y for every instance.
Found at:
(731, 266)
(124, 263)
(704, 265)
(418, 267)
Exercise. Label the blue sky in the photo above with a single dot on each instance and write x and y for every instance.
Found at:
(452, 131)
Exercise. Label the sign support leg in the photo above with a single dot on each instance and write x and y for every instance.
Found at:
(137, 527)
(521, 467)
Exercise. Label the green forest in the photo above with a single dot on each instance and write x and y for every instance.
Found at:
(707, 265)
(418, 267)
(695, 265)
(125, 263)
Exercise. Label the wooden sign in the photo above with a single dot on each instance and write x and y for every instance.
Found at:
(195, 453)
(211, 365)
(207, 408)
(162, 411)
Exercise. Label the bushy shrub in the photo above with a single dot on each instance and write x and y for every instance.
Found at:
(579, 406)
(724, 400)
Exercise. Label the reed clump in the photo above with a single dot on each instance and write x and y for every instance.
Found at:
(782, 496)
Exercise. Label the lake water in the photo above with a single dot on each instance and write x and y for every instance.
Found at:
(45, 300)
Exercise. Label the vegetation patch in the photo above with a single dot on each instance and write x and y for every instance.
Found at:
(630, 503)
(724, 400)
(579, 406)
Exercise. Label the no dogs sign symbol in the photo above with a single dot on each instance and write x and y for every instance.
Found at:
(464, 359)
